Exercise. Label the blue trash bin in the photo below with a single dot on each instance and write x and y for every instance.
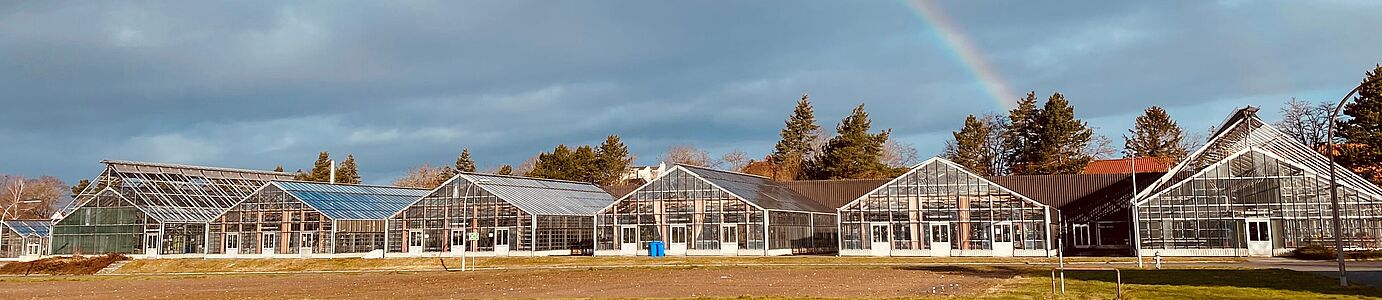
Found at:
(656, 249)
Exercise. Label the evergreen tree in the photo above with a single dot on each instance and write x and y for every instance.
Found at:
(584, 165)
(279, 169)
(464, 163)
(1021, 134)
(792, 152)
(969, 147)
(1363, 129)
(613, 160)
(79, 187)
(555, 165)
(302, 176)
(854, 153)
(1060, 141)
(505, 170)
(348, 172)
(321, 170)
(1154, 134)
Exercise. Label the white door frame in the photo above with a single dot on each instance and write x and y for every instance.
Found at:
(729, 239)
(416, 239)
(502, 240)
(678, 235)
(628, 240)
(1003, 237)
(32, 246)
(231, 243)
(151, 242)
(457, 243)
(880, 242)
(269, 243)
(939, 239)
(305, 246)
(1259, 243)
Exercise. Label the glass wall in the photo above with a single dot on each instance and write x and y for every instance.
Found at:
(459, 208)
(939, 199)
(706, 214)
(106, 224)
(1212, 210)
(272, 222)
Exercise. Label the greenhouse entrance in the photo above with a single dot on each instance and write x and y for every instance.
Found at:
(501, 241)
(151, 243)
(1259, 237)
(1003, 239)
(628, 240)
(232, 243)
(879, 240)
(940, 239)
(729, 241)
(457, 242)
(678, 242)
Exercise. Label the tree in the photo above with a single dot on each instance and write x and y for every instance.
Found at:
(79, 187)
(584, 165)
(735, 160)
(279, 169)
(854, 153)
(555, 165)
(505, 170)
(423, 176)
(687, 155)
(1155, 134)
(968, 147)
(527, 166)
(995, 148)
(1363, 129)
(48, 191)
(1060, 142)
(1307, 123)
(348, 172)
(321, 170)
(614, 160)
(1100, 147)
(799, 135)
(464, 163)
(1021, 134)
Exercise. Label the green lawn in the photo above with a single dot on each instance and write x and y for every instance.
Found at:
(1187, 284)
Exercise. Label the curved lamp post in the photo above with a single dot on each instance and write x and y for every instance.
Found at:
(1333, 181)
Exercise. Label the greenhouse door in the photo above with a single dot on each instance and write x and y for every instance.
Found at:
(151, 243)
(940, 239)
(34, 248)
(270, 243)
(678, 242)
(232, 243)
(415, 243)
(878, 237)
(1003, 239)
(729, 239)
(628, 240)
(1259, 237)
(307, 240)
(501, 242)
(458, 242)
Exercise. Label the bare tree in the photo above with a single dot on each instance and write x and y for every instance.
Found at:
(424, 176)
(48, 191)
(735, 160)
(1100, 147)
(900, 155)
(526, 166)
(998, 152)
(687, 155)
(1308, 124)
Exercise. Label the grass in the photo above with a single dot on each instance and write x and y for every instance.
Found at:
(1185, 284)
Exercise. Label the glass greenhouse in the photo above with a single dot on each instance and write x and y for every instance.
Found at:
(305, 219)
(1253, 191)
(497, 215)
(151, 208)
(701, 211)
(24, 238)
(940, 209)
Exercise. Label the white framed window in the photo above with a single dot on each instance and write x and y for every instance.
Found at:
(1080, 234)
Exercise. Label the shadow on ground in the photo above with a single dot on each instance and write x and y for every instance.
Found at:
(999, 272)
(1272, 279)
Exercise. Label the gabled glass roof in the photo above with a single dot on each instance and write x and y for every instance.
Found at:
(762, 192)
(176, 193)
(352, 202)
(30, 228)
(543, 196)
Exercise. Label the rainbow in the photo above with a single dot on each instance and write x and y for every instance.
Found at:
(968, 53)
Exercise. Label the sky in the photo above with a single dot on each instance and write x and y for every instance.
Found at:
(255, 84)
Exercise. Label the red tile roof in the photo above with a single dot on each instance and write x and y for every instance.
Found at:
(1124, 165)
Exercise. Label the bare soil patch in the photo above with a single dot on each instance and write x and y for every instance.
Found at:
(581, 283)
(62, 265)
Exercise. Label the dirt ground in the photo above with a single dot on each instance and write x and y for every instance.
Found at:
(601, 283)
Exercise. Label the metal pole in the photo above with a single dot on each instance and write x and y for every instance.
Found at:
(1136, 230)
(1334, 184)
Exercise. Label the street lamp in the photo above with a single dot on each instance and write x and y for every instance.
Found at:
(17, 203)
(1333, 181)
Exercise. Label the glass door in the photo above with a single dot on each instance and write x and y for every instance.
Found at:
(151, 243)
(501, 241)
(628, 240)
(940, 239)
(457, 244)
(879, 243)
(232, 244)
(1259, 237)
(729, 239)
(415, 242)
(1003, 239)
(677, 245)
(308, 242)
(269, 245)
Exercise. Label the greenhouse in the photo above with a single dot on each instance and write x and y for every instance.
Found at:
(24, 238)
(308, 219)
(940, 209)
(701, 211)
(152, 209)
(498, 215)
(1253, 191)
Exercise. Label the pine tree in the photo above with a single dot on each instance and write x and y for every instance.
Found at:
(613, 160)
(791, 153)
(321, 170)
(555, 165)
(584, 165)
(79, 187)
(969, 147)
(302, 176)
(505, 170)
(1060, 141)
(348, 172)
(1021, 134)
(854, 153)
(1363, 129)
(1155, 134)
(464, 163)
(279, 169)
